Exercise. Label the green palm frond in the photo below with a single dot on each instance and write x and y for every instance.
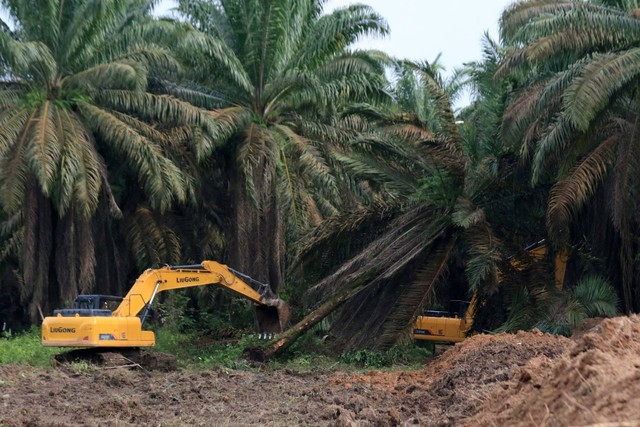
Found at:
(114, 75)
(161, 178)
(12, 122)
(466, 215)
(555, 140)
(216, 50)
(312, 164)
(527, 307)
(80, 177)
(11, 97)
(14, 172)
(206, 16)
(334, 32)
(517, 15)
(168, 110)
(602, 78)
(597, 296)
(484, 255)
(28, 58)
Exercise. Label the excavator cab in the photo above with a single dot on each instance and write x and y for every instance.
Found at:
(90, 305)
(445, 325)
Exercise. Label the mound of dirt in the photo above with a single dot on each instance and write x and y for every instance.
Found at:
(455, 384)
(596, 381)
(508, 379)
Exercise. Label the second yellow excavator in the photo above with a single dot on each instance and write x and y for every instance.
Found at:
(453, 325)
(91, 322)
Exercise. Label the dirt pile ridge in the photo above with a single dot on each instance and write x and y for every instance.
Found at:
(596, 381)
(494, 380)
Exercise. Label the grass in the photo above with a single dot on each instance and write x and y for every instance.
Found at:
(309, 354)
(26, 349)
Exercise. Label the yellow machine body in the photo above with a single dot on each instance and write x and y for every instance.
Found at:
(92, 323)
(95, 331)
(439, 326)
(443, 326)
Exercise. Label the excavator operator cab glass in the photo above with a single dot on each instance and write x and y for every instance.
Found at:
(91, 305)
(457, 309)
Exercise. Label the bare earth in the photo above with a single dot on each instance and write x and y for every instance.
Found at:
(525, 379)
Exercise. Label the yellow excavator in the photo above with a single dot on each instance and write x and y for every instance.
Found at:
(453, 325)
(91, 322)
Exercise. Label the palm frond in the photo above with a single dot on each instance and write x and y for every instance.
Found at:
(334, 32)
(570, 194)
(151, 241)
(161, 178)
(555, 140)
(601, 79)
(14, 172)
(116, 75)
(414, 294)
(44, 146)
(80, 178)
(597, 296)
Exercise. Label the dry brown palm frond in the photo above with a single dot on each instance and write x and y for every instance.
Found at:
(408, 132)
(382, 254)
(151, 240)
(36, 250)
(517, 118)
(383, 268)
(414, 294)
(74, 256)
(625, 207)
(569, 195)
(445, 154)
(338, 230)
(627, 169)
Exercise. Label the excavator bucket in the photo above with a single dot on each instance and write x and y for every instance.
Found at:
(274, 318)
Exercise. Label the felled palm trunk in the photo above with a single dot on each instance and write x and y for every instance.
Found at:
(286, 339)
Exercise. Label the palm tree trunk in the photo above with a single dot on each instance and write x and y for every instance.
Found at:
(290, 336)
(257, 245)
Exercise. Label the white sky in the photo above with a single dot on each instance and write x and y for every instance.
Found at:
(420, 29)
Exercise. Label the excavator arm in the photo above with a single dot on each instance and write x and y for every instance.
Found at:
(153, 281)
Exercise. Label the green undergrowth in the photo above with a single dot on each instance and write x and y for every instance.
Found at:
(308, 354)
(26, 349)
(196, 351)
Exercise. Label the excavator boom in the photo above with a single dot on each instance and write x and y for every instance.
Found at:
(91, 324)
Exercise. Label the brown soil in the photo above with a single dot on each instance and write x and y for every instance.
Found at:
(501, 380)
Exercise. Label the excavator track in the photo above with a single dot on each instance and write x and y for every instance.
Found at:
(130, 358)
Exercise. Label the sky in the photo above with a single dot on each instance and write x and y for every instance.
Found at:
(421, 29)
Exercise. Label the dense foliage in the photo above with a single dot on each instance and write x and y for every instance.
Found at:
(253, 133)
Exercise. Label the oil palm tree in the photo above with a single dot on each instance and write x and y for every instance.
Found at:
(75, 105)
(578, 115)
(423, 218)
(278, 71)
